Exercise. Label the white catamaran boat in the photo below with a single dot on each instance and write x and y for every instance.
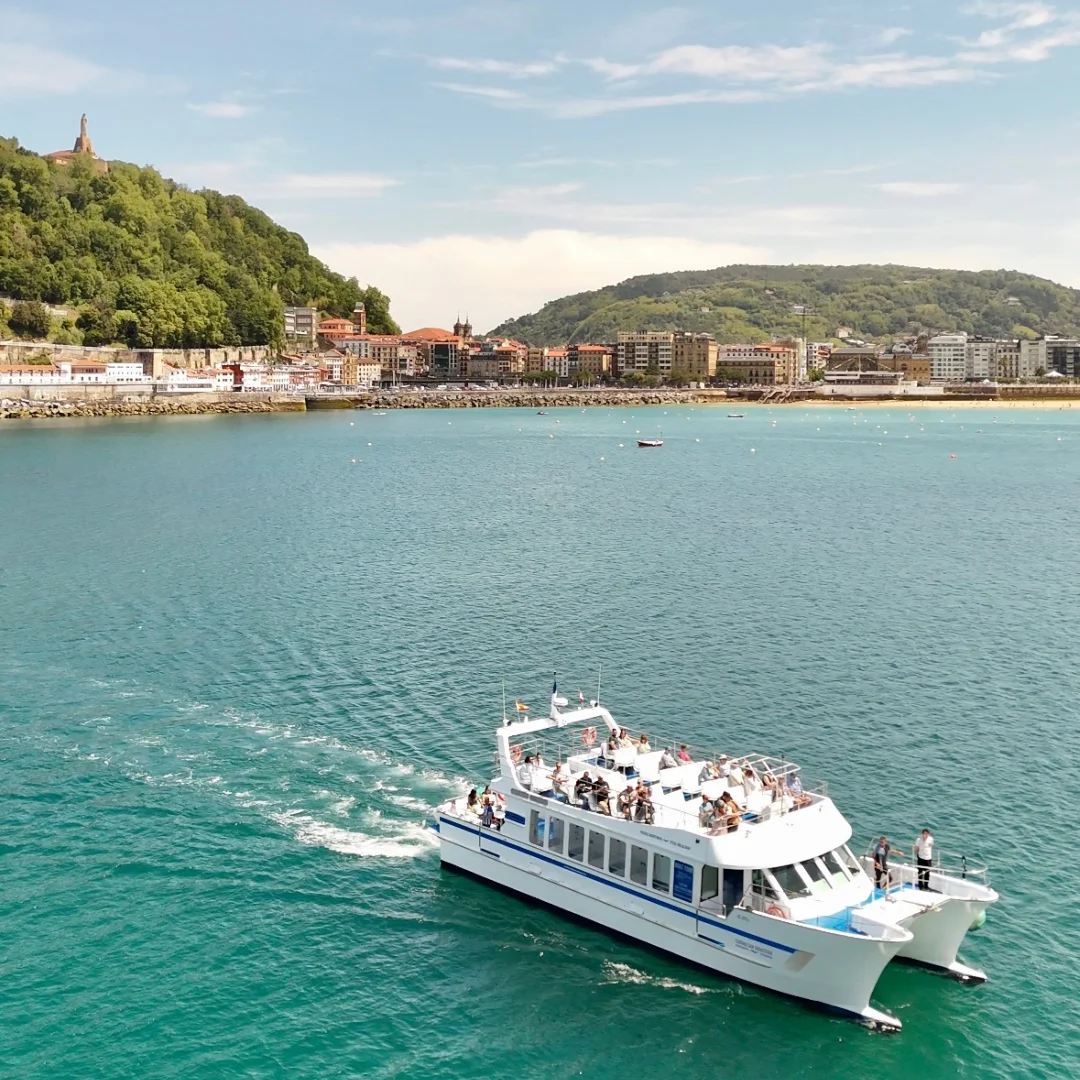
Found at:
(734, 864)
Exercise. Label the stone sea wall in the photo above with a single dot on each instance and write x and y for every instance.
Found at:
(531, 399)
(13, 408)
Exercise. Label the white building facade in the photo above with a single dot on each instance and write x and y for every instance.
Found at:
(948, 357)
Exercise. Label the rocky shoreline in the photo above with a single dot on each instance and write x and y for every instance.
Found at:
(23, 409)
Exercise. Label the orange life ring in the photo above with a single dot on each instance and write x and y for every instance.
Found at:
(515, 754)
(779, 912)
(588, 736)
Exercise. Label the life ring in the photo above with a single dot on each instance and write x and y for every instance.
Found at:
(515, 754)
(588, 736)
(779, 912)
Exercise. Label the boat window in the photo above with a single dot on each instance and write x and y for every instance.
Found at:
(536, 828)
(616, 859)
(791, 881)
(849, 860)
(763, 886)
(682, 884)
(639, 864)
(556, 834)
(661, 873)
(834, 867)
(819, 882)
(710, 882)
(575, 845)
(596, 849)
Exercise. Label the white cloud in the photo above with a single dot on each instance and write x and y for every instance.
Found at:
(893, 34)
(918, 189)
(739, 63)
(222, 110)
(347, 185)
(515, 70)
(429, 280)
(30, 71)
(492, 93)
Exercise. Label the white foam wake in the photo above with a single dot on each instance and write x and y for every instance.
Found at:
(623, 973)
(409, 842)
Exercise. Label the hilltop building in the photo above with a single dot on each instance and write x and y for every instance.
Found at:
(83, 148)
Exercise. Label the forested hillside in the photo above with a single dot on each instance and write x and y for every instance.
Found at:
(757, 303)
(149, 263)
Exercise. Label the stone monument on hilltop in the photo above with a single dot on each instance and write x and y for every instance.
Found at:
(83, 145)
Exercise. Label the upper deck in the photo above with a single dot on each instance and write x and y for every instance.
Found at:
(770, 815)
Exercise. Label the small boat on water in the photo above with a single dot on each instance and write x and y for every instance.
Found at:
(541, 412)
(658, 441)
(736, 415)
(738, 864)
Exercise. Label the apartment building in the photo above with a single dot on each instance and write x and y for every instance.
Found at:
(695, 354)
(594, 360)
(301, 325)
(948, 357)
(646, 351)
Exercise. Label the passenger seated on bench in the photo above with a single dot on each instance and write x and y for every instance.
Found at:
(751, 780)
(770, 784)
(525, 772)
(603, 795)
(795, 790)
(667, 760)
(643, 746)
(559, 778)
(705, 813)
(626, 801)
(624, 739)
(730, 805)
(472, 803)
(582, 790)
(538, 760)
(708, 772)
(612, 745)
(684, 755)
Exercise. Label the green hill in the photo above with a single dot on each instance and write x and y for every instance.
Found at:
(758, 303)
(149, 263)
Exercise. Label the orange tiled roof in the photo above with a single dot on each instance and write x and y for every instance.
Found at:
(430, 333)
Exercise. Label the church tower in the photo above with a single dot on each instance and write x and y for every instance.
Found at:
(359, 319)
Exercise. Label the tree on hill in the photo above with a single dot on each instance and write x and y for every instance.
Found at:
(757, 303)
(30, 319)
(152, 264)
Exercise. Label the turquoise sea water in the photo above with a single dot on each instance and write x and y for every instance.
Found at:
(237, 669)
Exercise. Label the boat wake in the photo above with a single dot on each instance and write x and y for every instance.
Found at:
(409, 841)
(625, 975)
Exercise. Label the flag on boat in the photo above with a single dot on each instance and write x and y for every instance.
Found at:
(521, 706)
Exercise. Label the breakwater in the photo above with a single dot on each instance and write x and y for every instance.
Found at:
(146, 405)
(518, 399)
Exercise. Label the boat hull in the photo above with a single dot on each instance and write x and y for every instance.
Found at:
(832, 970)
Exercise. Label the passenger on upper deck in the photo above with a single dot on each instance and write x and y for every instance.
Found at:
(582, 790)
(705, 813)
(643, 804)
(751, 780)
(624, 739)
(667, 760)
(709, 771)
(770, 784)
(603, 795)
(472, 803)
(643, 746)
(525, 772)
(684, 754)
(626, 801)
(559, 778)
(795, 790)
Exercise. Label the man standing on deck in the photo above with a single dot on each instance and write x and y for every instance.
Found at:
(881, 862)
(924, 857)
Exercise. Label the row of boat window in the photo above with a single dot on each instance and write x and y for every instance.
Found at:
(601, 851)
(590, 846)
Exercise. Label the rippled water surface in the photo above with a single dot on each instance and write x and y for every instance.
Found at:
(241, 659)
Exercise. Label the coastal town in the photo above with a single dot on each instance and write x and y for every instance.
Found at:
(339, 355)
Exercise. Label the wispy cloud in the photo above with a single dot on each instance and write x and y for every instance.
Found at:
(32, 71)
(222, 110)
(525, 70)
(492, 93)
(340, 185)
(919, 189)
(893, 34)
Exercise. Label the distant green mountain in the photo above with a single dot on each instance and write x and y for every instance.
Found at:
(147, 262)
(759, 303)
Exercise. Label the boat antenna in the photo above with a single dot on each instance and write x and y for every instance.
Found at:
(504, 701)
(599, 668)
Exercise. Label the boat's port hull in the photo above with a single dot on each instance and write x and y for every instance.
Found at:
(834, 971)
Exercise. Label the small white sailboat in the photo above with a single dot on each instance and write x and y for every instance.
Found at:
(658, 441)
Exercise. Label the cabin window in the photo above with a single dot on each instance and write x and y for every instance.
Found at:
(682, 885)
(616, 858)
(661, 873)
(556, 834)
(639, 864)
(596, 849)
(791, 881)
(575, 846)
(819, 881)
(536, 828)
(710, 882)
(835, 867)
(762, 886)
(849, 860)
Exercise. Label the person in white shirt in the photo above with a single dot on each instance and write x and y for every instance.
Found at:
(525, 772)
(924, 857)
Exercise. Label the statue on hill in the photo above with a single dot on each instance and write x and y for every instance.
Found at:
(83, 145)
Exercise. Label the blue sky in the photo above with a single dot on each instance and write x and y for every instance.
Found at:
(485, 157)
